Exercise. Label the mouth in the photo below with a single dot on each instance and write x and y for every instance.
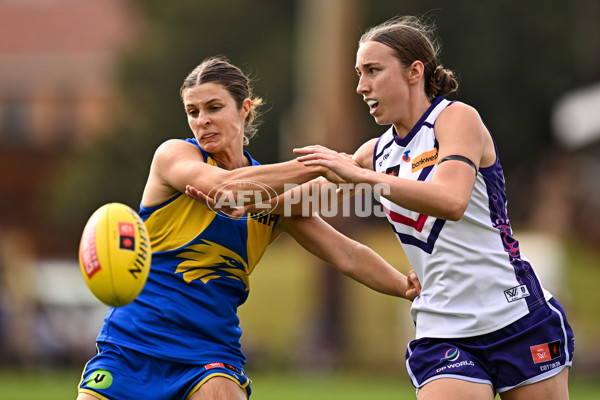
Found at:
(208, 136)
(372, 105)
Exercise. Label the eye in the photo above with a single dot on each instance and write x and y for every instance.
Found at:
(215, 108)
(192, 113)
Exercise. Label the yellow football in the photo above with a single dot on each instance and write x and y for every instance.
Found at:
(115, 254)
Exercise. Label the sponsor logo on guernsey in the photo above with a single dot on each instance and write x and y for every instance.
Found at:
(394, 171)
(545, 352)
(405, 156)
(265, 219)
(424, 160)
(99, 379)
(383, 158)
(126, 236)
(516, 293)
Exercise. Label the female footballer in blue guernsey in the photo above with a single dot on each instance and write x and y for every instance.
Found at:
(180, 339)
(484, 323)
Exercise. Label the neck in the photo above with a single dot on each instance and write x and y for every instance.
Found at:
(231, 161)
(415, 111)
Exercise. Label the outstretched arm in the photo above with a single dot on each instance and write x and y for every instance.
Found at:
(177, 164)
(459, 131)
(350, 257)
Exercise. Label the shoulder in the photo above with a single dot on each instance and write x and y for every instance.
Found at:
(364, 154)
(174, 144)
(172, 147)
(459, 119)
(458, 112)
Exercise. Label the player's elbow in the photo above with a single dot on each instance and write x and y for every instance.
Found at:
(454, 209)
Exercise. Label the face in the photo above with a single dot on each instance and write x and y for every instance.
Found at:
(382, 82)
(215, 119)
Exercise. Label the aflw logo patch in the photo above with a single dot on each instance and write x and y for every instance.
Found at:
(545, 352)
(516, 293)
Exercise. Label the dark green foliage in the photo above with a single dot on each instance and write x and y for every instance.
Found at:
(513, 59)
(257, 36)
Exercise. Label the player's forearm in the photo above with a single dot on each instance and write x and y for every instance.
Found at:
(348, 256)
(278, 177)
(446, 199)
(257, 184)
(370, 269)
(316, 196)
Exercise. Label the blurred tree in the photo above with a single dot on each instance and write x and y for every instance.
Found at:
(513, 59)
(177, 36)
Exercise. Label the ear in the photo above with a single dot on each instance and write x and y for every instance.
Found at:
(415, 71)
(246, 107)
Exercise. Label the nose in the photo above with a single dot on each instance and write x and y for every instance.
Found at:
(362, 87)
(203, 119)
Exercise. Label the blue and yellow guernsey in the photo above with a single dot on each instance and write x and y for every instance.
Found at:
(201, 262)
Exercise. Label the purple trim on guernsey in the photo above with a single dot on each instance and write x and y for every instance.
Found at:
(405, 140)
(431, 239)
(495, 185)
(375, 155)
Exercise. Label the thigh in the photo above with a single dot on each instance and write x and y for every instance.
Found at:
(85, 396)
(219, 388)
(555, 388)
(455, 389)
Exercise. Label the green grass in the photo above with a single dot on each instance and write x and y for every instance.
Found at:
(331, 386)
(44, 384)
(61, 385)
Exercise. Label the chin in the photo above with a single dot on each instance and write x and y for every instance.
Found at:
(209, 146)
(380, 121)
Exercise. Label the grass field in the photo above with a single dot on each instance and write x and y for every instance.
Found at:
(60, 385)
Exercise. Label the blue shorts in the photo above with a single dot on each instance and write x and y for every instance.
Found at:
(118, 373)
(536, 347)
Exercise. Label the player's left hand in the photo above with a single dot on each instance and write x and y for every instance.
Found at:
(414, 286)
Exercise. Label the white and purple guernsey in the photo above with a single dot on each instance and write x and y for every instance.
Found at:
(474, 278)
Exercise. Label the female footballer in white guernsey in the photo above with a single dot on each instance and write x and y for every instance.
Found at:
(484, 324)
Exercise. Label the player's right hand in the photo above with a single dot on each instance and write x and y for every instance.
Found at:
(211, 203)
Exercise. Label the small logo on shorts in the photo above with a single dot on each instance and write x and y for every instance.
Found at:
(516, 293)
(99, 379)
(214, 365)
(545, 352)
(452, 354)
